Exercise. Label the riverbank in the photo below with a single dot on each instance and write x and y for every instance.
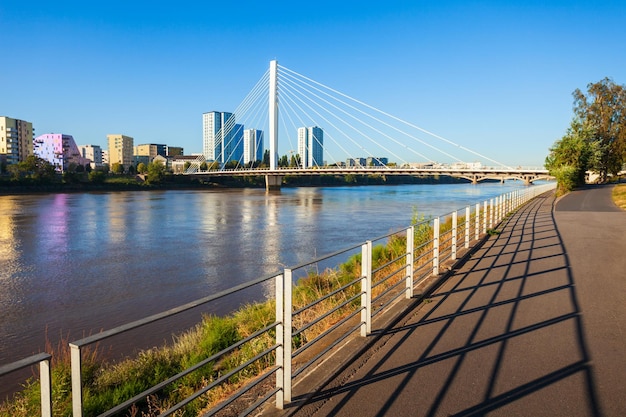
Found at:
(181, 182)
(107, 384)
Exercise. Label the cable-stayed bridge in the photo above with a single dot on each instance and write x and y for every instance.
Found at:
(320, 131)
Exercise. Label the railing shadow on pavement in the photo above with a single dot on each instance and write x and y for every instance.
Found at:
(503, 333)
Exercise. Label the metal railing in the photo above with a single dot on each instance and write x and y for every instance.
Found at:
(321, 311)
(45, 385)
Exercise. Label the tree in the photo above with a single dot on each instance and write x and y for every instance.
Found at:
(266, 158)
(571, 156)
(131, 169)
(156, 173)
(232, 164)
(295, 161)
(186, 166)
(35, 168)
(97, 177)
(603, 110)
(283, 161)
(117, 168)
(204, 166)
(142, 168)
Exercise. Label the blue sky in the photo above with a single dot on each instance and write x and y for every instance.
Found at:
(495, 77)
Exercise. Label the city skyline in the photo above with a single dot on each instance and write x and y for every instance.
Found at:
(493, 77)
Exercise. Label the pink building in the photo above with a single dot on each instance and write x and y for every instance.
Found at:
(58, 149)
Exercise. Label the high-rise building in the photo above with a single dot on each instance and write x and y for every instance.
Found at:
(311, 146)
(120, 150)
(222, 138)
(233, 147)
(16, 140)
(216, 128)
(60, 150)
(252, 145)
(93, 153)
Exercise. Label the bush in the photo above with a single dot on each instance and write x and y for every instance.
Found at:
(566, 178)
(97, 177)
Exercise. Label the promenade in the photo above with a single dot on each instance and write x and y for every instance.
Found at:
(532, 324)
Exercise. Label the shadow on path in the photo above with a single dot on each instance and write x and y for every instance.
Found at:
(502, 336)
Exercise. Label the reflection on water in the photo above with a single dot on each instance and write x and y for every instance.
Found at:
(79, 263)
(9, 245)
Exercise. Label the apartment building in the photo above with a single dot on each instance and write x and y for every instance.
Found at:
(311, 146)
(16, 140)
(120, 150)
(60, 150)
(93, 153)
(252, 145)
(222, 138)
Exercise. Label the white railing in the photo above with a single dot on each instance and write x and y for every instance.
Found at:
(370, 278)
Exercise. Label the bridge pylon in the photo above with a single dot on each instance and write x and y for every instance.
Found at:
(273, 114)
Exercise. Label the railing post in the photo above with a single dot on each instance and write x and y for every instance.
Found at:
(485, 213)
(467, 226)
(509, 202)
(436, 246)
(477, 231)
(454, 234)
(410, 233)
(287, 334)
(491, 207)
(46, 388)
(77, 383)
(280, 341)
(366, 288)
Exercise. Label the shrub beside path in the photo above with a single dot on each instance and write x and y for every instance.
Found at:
(532, 324)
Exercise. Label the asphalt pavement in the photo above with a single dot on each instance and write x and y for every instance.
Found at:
(533, 323)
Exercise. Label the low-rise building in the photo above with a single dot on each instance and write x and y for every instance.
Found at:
(150, 150)
(372, 161)
(177, 163)
(93, 153)
(175, 151)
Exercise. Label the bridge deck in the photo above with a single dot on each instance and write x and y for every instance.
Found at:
(532, 324)
(474, 175)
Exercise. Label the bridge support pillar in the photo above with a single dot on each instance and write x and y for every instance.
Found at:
(273, 182)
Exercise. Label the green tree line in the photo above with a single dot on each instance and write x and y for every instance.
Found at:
(596, 138)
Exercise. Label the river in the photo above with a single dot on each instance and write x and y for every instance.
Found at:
(73, 264)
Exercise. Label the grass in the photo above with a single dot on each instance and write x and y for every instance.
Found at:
(107, 384)
(619, 196)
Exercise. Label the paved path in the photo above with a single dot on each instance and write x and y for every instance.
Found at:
(533, 324)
